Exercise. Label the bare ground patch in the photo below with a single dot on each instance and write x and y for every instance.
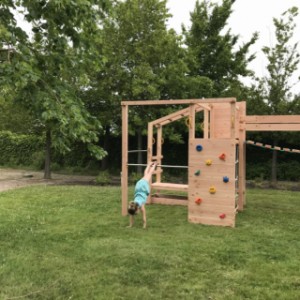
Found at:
(16, 178)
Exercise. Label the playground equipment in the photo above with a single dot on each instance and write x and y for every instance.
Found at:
(216, 162)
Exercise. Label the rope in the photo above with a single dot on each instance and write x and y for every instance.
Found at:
(265, 146)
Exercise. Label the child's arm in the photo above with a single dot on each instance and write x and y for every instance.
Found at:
(131, 221)
(149, 171)
(143, 209)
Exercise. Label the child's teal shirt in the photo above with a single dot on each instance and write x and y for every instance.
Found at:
(141, 192)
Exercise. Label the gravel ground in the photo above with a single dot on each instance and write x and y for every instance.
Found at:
(15, 178)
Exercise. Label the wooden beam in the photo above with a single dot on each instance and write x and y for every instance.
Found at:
(124, 175)
(179, 101)
(272, 127)
(280, 119)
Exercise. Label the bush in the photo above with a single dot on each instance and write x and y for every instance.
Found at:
(103, 178)
(19, 149)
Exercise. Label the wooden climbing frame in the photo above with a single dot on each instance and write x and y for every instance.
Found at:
(215, 191)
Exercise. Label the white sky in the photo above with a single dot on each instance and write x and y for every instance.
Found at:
(248, 16)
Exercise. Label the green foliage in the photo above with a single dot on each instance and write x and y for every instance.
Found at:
(72, 242)
(211, 53)
(49, 68)
(20, 149)
(103, 178)
(283, 61)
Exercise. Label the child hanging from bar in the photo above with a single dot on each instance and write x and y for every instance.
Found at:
(141, 193)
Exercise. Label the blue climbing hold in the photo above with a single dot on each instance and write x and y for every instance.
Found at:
(199, 148)
(226, 179)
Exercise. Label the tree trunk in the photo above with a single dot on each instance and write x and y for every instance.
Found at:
(106, 147)
(140, 154)
(47, 172)
(274, 167)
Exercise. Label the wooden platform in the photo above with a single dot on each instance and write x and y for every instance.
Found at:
(162, 186)
(169, 199)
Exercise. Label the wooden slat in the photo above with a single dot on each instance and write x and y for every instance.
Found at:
(273, 127)
(179, 101)
(212, 221)
(169, 186)
(279, 119)
(168, 201)
(124, 180)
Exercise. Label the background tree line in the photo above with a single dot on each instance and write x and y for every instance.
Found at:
(62, 81)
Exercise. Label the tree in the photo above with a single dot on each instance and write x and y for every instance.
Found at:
(145, 60)
(48, 69)
(211, 53)
(283, 61)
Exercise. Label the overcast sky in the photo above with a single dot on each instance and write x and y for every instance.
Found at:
(248, 16)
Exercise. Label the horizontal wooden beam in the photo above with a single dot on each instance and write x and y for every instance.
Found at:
(273, 127)
(179, 101)
(280, 119)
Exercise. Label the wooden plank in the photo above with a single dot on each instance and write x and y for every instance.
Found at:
(230, 222)
(192, 117)
(179, 101)
(168, 201)
(272, 127)
(206, 124)
(169, 186)
(212, 149)
(242, 157)
(124, 177)
(159, 153)
(178, 115)
(279, 119)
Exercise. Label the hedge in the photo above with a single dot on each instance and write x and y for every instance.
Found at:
(20, 149)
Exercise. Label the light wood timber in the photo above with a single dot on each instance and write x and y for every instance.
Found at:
(124, 180)
(179, 101)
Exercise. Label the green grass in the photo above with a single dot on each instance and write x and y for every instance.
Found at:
(72, 243)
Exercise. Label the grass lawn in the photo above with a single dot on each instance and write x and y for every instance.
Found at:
(69, 242)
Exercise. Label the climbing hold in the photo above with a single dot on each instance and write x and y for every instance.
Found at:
(222, 216)
(222, 156)
(225, 179)
(197, 173)
(199, 148)
(212, 190)
(198, 201)
(208, 162)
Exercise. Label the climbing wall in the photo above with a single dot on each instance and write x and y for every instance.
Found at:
(212, 182)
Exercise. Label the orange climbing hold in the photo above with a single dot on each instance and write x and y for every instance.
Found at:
(222, 156)
(198, 201)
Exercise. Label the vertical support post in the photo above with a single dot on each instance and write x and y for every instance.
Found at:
(212, 122)
(149, 151)
(192, 122)
(124, 175)
(232, 119)
(206, 124)
(242, 155)
(159, 153)
(150, 143)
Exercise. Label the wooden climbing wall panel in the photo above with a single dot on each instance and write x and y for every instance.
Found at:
(212, 188)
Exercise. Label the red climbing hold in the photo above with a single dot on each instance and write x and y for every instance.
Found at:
(222, 216)
(222, 156)
(198, 201)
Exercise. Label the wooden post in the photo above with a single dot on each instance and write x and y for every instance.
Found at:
(242, 155)
(206, 124)
(192, 122)
(232, 119)
(159, 153)
(124, 175)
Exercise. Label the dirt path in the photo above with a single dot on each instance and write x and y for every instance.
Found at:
(13, 178)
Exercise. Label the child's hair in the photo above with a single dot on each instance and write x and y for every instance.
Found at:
(132, 208)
